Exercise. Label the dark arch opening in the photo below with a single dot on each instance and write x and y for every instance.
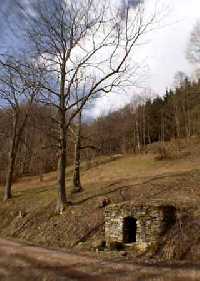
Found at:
(129, 230)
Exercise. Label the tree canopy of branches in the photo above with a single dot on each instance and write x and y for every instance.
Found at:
(77, 43)
(193, 52)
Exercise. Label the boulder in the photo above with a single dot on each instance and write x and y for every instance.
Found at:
(99, 245)
(116, 246)
(103, 202)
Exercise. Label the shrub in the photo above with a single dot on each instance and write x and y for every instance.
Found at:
(167, 151)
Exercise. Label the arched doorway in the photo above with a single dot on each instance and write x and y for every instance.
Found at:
(129, 229)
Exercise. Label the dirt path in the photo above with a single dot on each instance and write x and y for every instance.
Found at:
(19, 262)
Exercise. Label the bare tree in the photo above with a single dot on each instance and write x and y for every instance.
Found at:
(193, 51)
(77, 155)
(85, 40)
(17, 96)
(138, 111)
(179, 79)
(81, 143)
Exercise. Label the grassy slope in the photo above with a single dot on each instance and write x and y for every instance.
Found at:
(30, 215)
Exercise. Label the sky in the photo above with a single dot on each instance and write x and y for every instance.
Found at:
(167, 49)
(161, 56)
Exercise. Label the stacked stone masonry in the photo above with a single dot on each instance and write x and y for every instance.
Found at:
(148, 222)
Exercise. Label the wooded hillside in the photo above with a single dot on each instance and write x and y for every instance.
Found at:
(128, 130)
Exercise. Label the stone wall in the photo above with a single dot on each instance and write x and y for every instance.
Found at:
(151, 221)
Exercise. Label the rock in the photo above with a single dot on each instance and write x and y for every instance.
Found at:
(142, 247)
(116, 246)
(21, 214)
(124, 254)
(99, 245)
(103, 202)
(117, 156)
(80, 245)
(77, 189)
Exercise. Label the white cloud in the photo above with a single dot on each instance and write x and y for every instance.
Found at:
(168, 45)
(165, 50)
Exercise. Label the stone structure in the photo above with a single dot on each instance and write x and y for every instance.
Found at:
(137, 224)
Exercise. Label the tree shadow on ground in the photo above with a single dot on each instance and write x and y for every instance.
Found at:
(121, 186)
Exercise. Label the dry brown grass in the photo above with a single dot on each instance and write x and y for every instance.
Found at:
(22, 262)
(139, 178)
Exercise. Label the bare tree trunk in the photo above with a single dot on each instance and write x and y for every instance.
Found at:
(177, 123)
(16, 136)
(186, 116)
(9, 178)
(137, 133)
(162, 133)
(162, 128)
(11, 160)
(186, 124)
(76, 177)
(149, 137)
(10, 171)
(189, 133)
(62, 198)
(144, 124)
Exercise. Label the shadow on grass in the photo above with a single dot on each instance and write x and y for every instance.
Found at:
(36, 270)
(120, 187)
(33, 270)
(36, 191)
